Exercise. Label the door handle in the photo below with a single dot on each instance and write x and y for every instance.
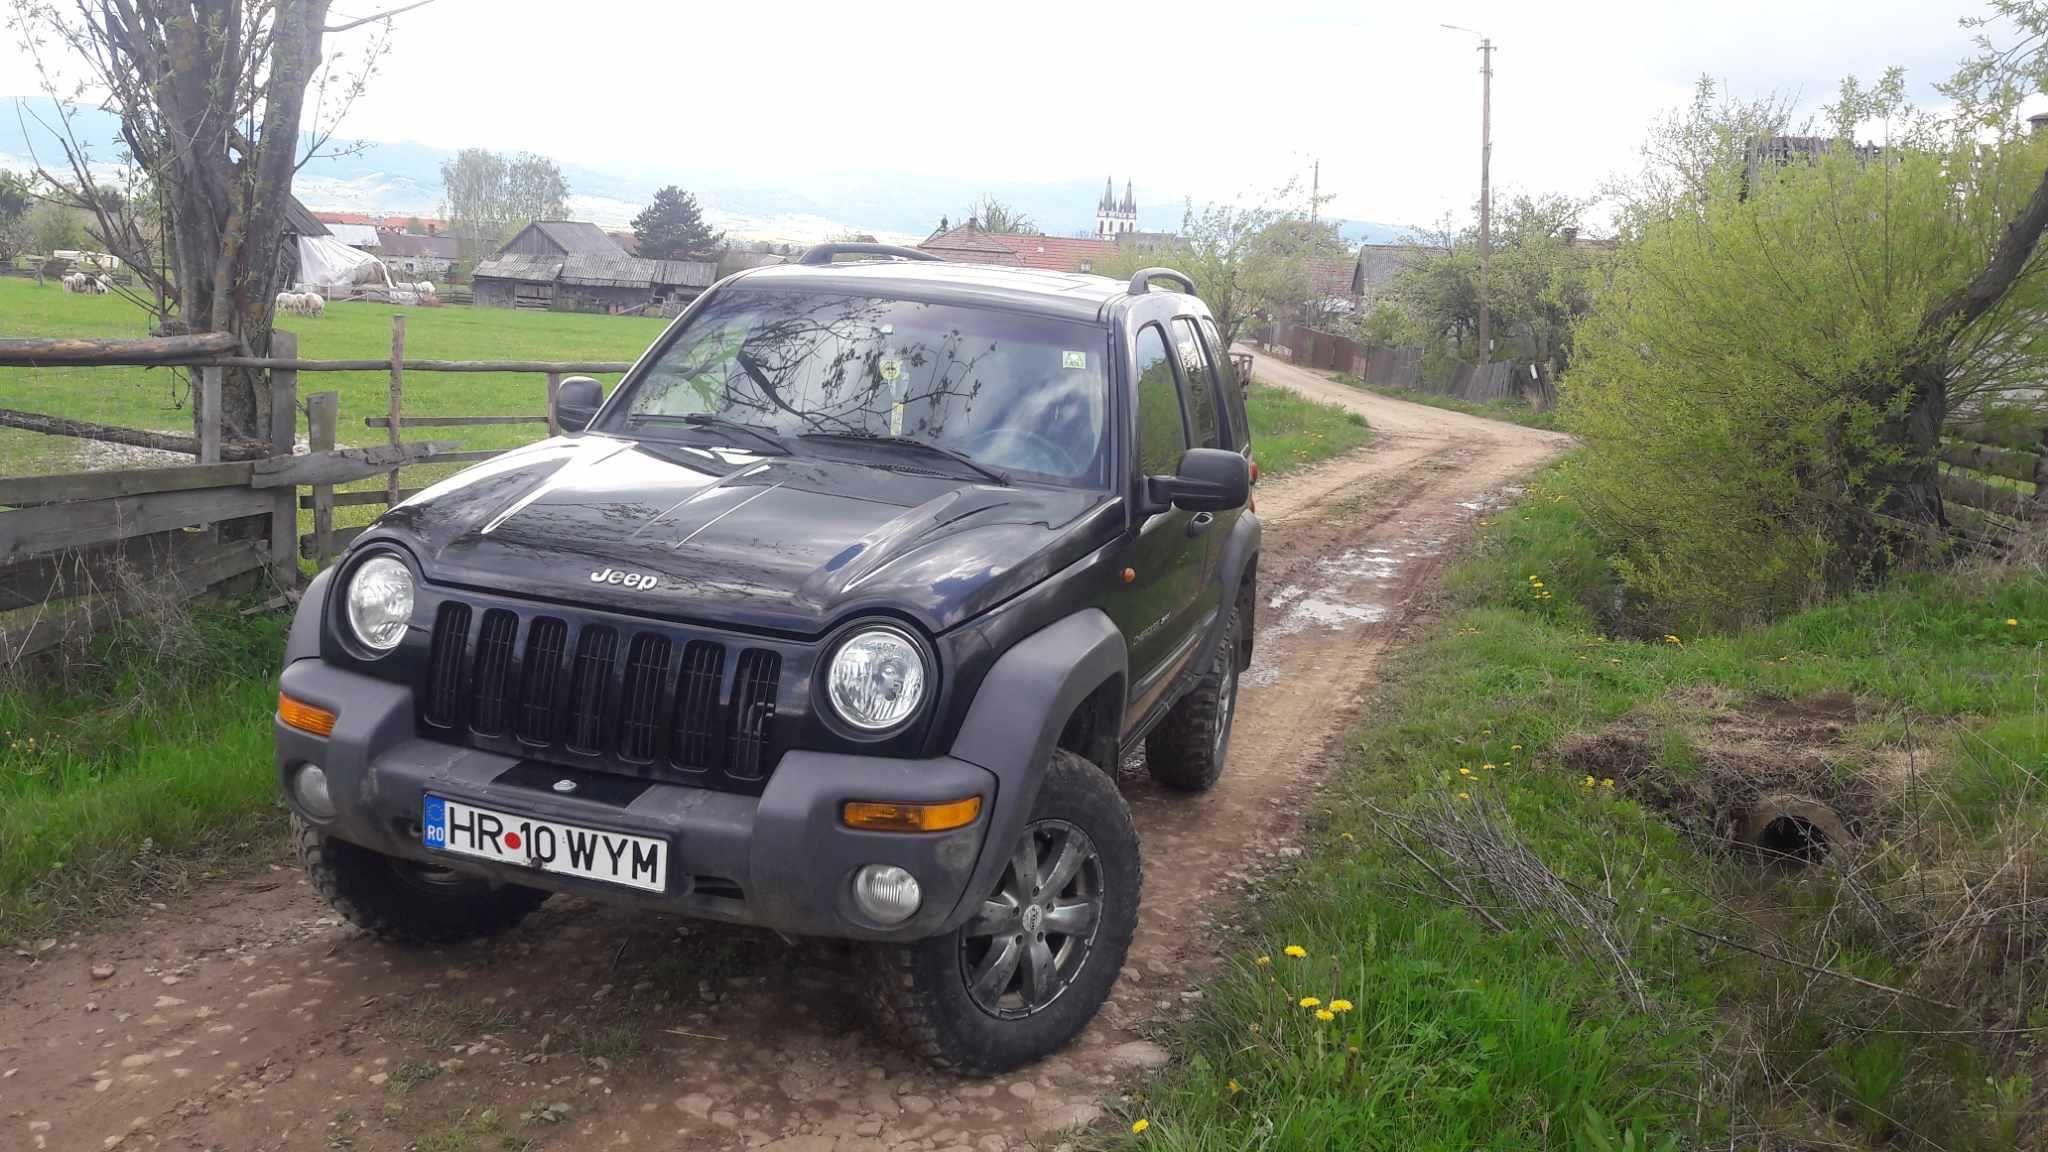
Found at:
(1200, 522)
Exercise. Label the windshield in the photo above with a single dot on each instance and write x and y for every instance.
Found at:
(1024, 395)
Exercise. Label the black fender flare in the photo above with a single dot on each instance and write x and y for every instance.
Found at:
(1015, 722)
(1240, 557)
(303, 641)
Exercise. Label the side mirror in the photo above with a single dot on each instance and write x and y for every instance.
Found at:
(1208, 480)
(577, 402)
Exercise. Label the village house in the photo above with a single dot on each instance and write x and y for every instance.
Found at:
(428, 256)
(571, 266)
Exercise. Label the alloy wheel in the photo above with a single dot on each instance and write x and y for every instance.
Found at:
(1034, 932)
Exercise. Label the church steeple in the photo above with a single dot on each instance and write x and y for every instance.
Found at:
(1115, 217)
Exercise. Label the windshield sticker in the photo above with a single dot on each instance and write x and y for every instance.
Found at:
(1071, 360)
(892, 369)
(896, 419)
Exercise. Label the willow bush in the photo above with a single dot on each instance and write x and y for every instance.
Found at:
(1741, 381)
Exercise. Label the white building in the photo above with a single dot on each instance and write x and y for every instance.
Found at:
(1115, 217)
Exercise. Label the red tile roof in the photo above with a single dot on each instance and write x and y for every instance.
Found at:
(1048, 253)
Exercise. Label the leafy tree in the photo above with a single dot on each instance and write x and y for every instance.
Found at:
(993, 215)
(1763, 389)
(487, 196)
(54, 227)
(1243, 260)
(15, 200)
(212, 101)
(1539, 284)
(672, 227)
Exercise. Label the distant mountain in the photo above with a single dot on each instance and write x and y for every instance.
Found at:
(405, 177)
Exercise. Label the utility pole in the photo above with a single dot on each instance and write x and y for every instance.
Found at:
(1315, 189)
(1485, 184)
(1485, 190)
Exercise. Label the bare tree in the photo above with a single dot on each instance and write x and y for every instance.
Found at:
(212, 99)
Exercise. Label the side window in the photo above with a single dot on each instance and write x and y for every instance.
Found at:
(1201, 382)
(1226, 376)
(1162, 432)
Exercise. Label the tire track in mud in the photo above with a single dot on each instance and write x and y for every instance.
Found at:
(248, 1017)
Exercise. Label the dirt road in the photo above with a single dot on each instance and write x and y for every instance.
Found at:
(248, 1017)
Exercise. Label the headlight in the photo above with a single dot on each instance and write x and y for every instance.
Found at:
(380, 602)
(877, 679)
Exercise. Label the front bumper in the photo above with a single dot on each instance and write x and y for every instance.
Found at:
(781, 860)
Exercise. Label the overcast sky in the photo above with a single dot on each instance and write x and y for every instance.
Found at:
(1209, 102)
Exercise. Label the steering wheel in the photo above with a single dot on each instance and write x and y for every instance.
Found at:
(1022, 448)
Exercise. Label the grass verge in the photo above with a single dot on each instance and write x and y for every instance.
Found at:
(147, 767)
(1290, 431)
(1506, 950)
(1514, 412)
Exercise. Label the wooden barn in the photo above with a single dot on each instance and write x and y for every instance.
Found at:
(568, 266)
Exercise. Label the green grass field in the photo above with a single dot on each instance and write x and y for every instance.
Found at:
(1444, 1033)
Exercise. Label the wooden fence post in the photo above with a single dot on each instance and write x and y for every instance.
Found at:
(209, 415)
(323, 413)
(397, 395)
(284, 424)
(554, 391)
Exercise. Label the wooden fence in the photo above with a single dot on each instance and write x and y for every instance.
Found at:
(1990, 490)
(1393, 366)
(80, 549)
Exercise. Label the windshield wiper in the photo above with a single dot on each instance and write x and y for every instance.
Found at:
(953, 454)
(711, 420)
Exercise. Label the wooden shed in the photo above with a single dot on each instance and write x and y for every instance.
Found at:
(570, 266)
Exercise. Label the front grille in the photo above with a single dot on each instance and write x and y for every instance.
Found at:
(445, 690)
(646, 700)
(491, 697)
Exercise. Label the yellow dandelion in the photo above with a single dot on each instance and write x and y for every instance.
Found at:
(2012, 622)
(1235, 1087)
(1486, 767)
(1586, 783)
(1139, 1125)
(1532, 579)
(1607, 783)
(1673, 640)
(1296, 951)
(1464, 771)
(1344, 835)
(1325, 1015)
(1514, 747)
(1464, 795)
(1340, 1005)
(1310, 1002)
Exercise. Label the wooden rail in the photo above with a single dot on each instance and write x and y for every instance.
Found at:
(81, 549)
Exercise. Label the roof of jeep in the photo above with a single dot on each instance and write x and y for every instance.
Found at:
(1070, 295)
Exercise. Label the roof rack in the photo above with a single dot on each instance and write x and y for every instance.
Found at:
(1141, 283)
(818, 254)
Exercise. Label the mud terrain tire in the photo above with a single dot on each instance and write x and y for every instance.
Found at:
(396, 900)
(921, 993)
(1186, 752)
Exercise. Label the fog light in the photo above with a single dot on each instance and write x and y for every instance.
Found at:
(309, 788)
(886, 894)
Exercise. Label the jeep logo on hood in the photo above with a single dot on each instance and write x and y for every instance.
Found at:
(629, 579)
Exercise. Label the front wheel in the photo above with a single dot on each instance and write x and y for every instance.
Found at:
(405, 901)
(1028, 972)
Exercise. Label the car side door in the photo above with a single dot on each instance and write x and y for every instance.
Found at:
(1206, 423)
(1165, 557)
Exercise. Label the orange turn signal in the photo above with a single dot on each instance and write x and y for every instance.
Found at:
(872, 817)
(303, 716)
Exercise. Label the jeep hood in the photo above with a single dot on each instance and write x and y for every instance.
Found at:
(790, 544)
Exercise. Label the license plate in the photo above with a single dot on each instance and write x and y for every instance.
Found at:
(592, 853)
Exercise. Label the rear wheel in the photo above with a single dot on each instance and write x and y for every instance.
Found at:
(1187, 750)
(1031, 968)
(405, 901)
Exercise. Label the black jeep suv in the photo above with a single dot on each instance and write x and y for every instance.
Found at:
(836, 618)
